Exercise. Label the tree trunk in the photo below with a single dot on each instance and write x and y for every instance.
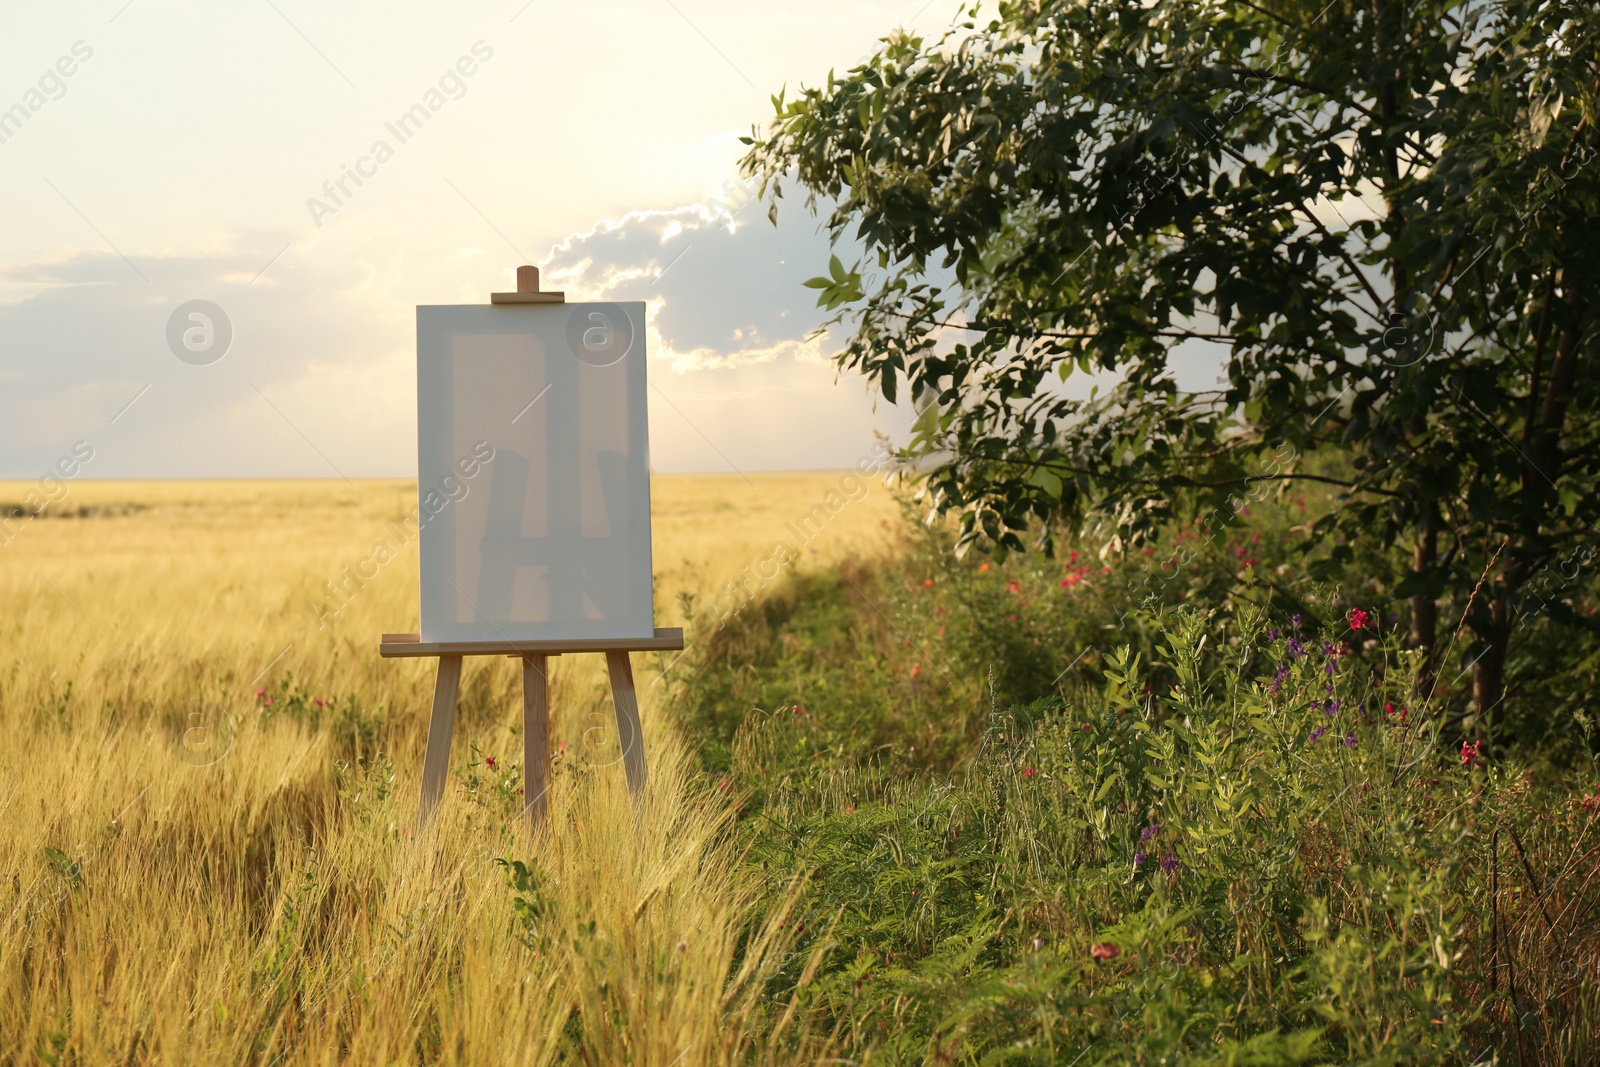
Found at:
(1489, 672)
(1424, 608)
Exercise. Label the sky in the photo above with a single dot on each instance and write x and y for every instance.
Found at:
(157, 153)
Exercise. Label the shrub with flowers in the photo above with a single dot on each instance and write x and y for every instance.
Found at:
(1180, 876)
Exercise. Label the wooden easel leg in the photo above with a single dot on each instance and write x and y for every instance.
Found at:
(629, 733)
(535, 739)
(436, 765)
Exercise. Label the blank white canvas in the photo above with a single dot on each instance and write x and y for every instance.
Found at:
(549, 538)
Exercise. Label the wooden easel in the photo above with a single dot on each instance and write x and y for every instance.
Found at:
(535, 656)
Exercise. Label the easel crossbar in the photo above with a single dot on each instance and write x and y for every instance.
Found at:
(666, 639)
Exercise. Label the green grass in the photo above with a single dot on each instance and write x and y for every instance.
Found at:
(1230, 831)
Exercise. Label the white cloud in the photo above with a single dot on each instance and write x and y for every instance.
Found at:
(320, 379)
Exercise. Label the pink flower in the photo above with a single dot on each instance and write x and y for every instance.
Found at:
(1471, 754)
(1029, 772)
(1358, 619)
(268, 702)
(261, 692)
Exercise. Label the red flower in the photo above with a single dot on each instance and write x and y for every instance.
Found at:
(1105, 950)
(1358, 619)
(1029, 772)
(489, 762)
(1471, 754)
(916, 670)
(1013, 587)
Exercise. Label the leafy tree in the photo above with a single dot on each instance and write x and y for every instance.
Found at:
(1380, 217)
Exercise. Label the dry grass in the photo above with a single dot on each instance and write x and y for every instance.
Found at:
(250, 893)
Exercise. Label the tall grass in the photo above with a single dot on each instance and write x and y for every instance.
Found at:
(195, 871)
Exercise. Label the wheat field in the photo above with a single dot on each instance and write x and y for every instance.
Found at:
(208, 782)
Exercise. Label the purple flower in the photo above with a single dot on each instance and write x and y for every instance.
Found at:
(1330, 707)
(1295, 620)
(1169, 862)
(1149, 832)
(1316, 735)
(1277, 679)
(1273, 635)
(1138, 859)
(1349, 740)
(1296, 649)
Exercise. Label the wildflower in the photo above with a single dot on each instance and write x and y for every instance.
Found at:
(268, 702)
(1169, 862)
(1029, 772)
(1150, 831)
(1296, 649)
(1138, 860)
(1471, 754)
(1013, 587)
(1277, 679)
(489, 762)
(1073, 558)
(1316, 735)
(1330, 707)
(1358, 619)
(799, 709)
(1273, 635)
(916, 670)
(261, 692)
(1294, 620)
(927, 583)
(1104, 951)
(1085, 727)
(316, 702)
(982, 568)
(1350, 740)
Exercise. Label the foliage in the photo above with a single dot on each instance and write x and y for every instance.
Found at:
(1374, 216)
(1267, 863)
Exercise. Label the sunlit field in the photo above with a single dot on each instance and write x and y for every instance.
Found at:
(208, 781)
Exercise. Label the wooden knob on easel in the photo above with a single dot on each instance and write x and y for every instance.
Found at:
(528, 291)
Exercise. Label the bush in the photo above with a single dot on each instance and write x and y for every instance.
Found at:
(1276, 858)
